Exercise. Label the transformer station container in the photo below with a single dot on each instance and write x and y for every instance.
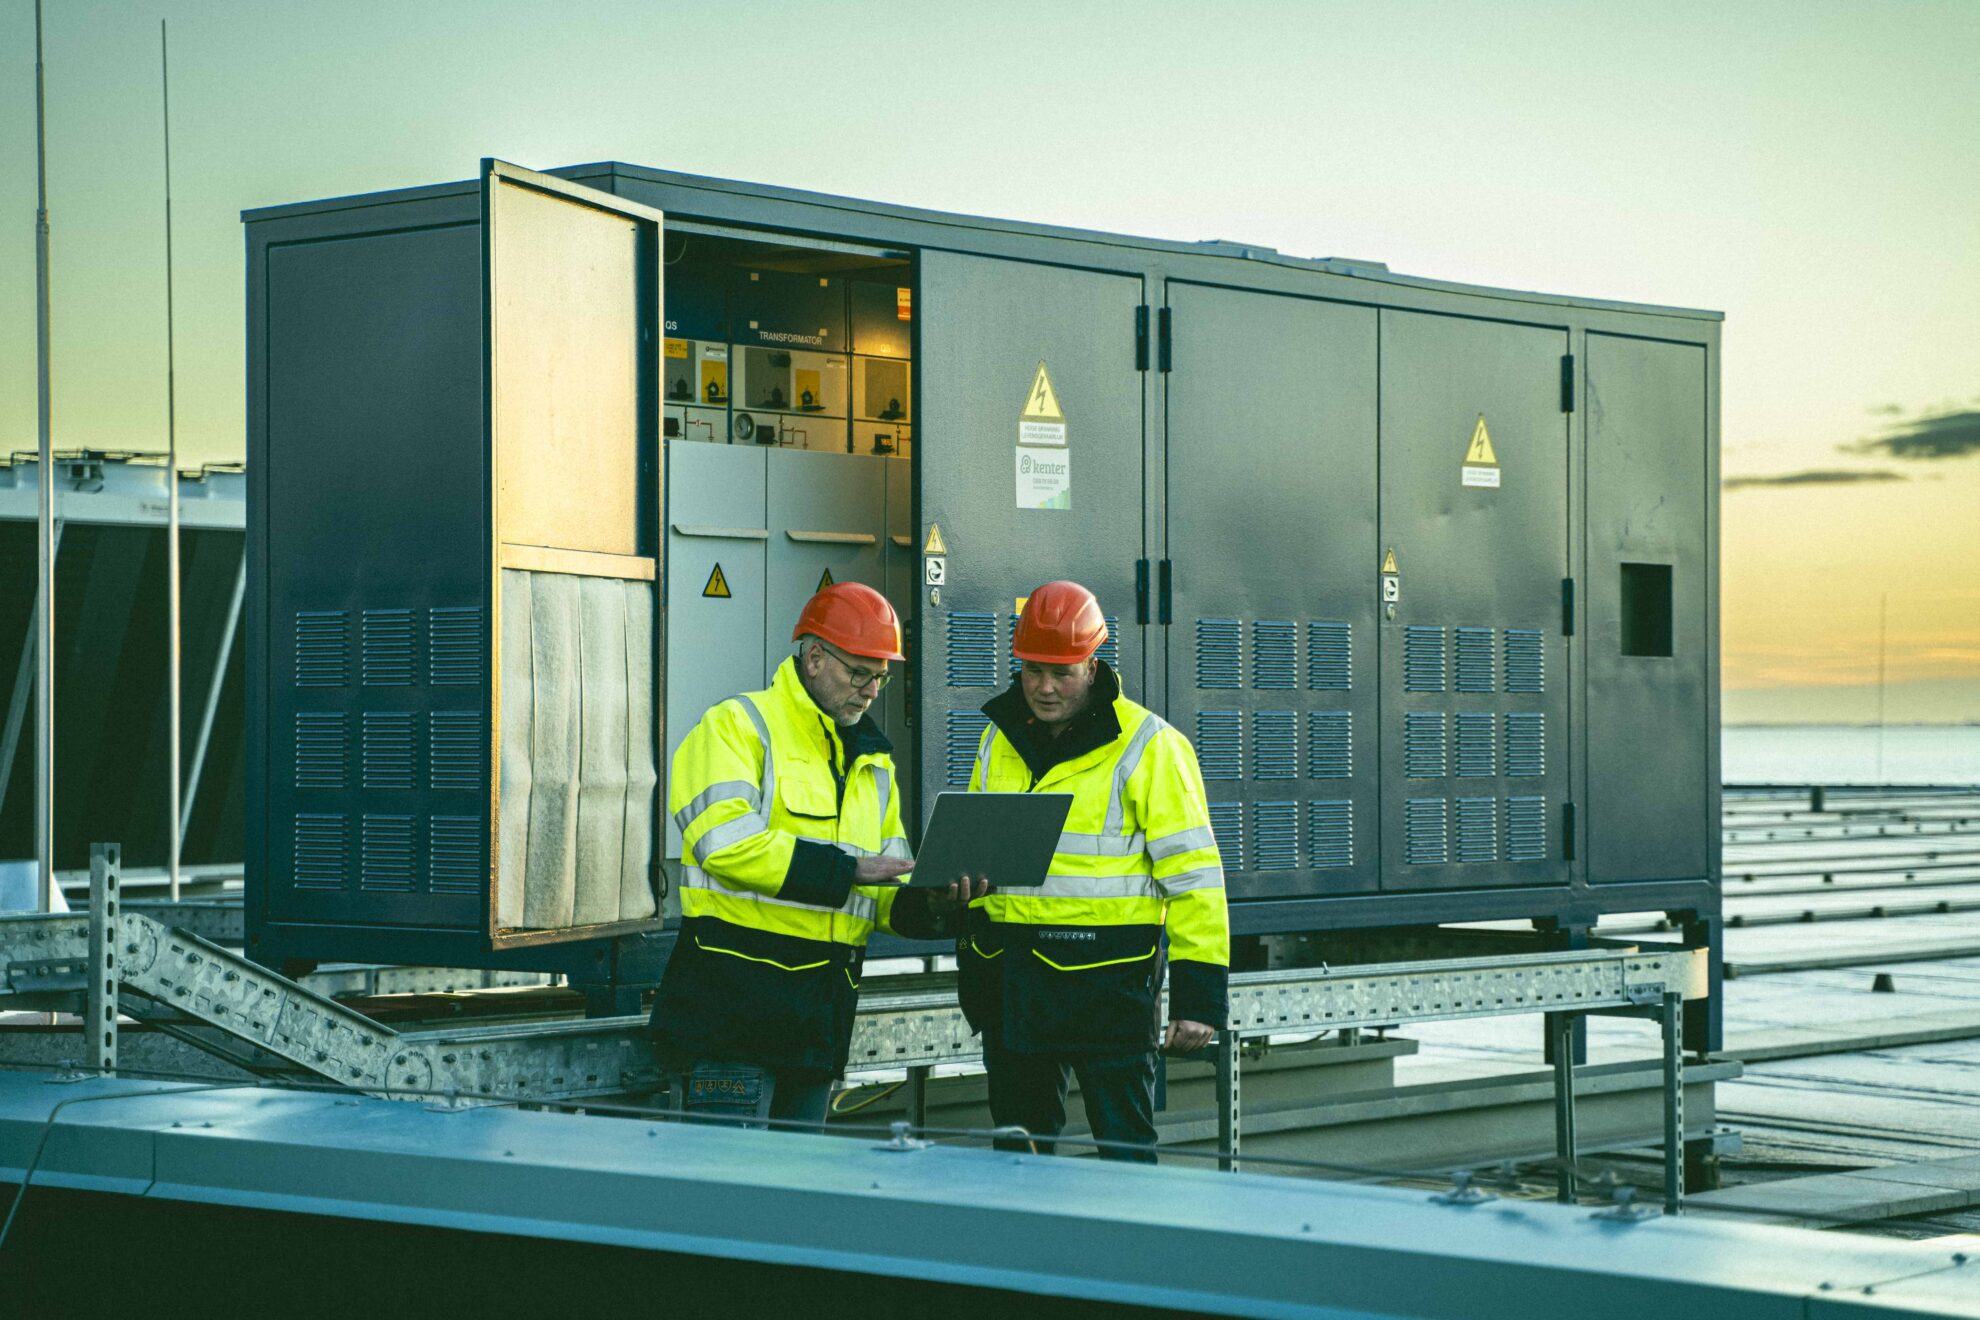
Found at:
(541, 466)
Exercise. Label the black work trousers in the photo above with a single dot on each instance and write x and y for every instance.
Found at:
(1029, 1091)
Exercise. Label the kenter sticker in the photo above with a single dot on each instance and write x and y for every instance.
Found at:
(1041, 422)
(1044, 479)
(1481, 462)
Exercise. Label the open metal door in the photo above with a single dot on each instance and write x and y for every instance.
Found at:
(1029, 459)
(573, 300)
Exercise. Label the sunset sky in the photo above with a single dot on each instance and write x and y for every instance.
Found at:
(1809, 168)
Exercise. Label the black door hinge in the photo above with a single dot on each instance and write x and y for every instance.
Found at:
(1567, 382)
(1567, 607)
(1141, 591)
(1141, 338)
(1163, 597)
(1162, 339)
(1567, 830)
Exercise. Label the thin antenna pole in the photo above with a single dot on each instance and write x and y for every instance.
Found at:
(44, 620)
(173, 658)
(1883, 614)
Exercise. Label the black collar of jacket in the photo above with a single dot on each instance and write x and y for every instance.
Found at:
(1092, 729)
(862, 739)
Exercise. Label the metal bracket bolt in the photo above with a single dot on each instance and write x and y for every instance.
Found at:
(1463, 1191)
(1625, 1210)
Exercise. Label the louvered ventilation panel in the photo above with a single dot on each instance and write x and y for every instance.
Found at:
(1275, 744)
(1329, 657)
(322, 750)
(322, 856)
(453, 754)
(1220, 744)
(1526, 745)
(1330, 834)
(1424, 744)
(1219, 654)
(972, 637)
(1526, 829)
(1477, 830)
(1425, 823)
(388, 648)
(1329, 744)
(1474, 660)
(1275, 654)
(323, 649)
(1227, 823)
(965, 730)
(453, 855)
(1275, 836)
(1477, 756)
(1525, 661)
(1109, 650)
(388, 749)
(454, 646)
(1423, 659)
(385, 855)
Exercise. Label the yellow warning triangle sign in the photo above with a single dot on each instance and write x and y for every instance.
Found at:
(1042, 404)
(1480, 451)
(1389, 563)
(824, 580)
(935, 545)
(718, 586)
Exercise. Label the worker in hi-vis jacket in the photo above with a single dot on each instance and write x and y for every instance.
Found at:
(1067, 978)
(792, 853)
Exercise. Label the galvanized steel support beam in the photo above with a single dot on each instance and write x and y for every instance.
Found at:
(1671, 1018)
(100, 1005)
(913, 1029)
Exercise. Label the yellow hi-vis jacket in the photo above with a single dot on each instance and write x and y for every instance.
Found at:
(1076, 966)
(775, 804)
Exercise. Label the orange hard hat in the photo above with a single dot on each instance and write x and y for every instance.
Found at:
(1061, 625)
(855, 618)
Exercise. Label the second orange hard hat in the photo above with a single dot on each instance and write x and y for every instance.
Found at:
(1062, 624)
(855, 618)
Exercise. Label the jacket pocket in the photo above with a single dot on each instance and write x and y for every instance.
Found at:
(809, 795)
(749, 996)
(1084, 989)
(980, 957)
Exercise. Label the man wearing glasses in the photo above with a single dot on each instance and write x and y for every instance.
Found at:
(792, 852)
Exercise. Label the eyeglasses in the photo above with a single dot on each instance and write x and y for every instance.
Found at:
(861, 677)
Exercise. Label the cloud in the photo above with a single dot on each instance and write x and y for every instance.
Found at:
(1948, 434)
(1819, 477)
